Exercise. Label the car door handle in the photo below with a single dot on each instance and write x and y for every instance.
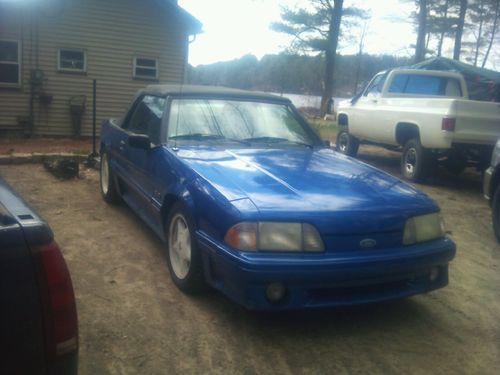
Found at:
(122, 144)
(374, 101)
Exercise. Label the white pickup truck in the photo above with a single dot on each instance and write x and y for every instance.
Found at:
(425, 113)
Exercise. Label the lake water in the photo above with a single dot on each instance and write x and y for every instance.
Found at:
(308, 100)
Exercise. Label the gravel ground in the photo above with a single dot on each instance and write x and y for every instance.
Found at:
(133, 320)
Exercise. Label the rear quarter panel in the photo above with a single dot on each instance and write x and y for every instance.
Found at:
(424, 112)
(21, 333)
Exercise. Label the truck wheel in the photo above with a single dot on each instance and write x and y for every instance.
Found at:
(495, 213)
(414, 161)
(107, 181)
(346, 143)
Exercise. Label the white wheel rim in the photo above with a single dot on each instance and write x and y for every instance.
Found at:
(343, 141)
(104, 174)
(179, 246)
(410, 161)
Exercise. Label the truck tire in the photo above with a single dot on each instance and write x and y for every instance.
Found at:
(346, 143)
(414, 161)
(495, 213)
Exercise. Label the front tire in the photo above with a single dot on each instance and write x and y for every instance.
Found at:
(414, 161)
(184, 259)
(107, 184)
(495, 213)
(346, 143)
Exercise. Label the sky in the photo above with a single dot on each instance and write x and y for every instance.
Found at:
(233, 28)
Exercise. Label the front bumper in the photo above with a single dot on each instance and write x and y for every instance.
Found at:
(326, 279)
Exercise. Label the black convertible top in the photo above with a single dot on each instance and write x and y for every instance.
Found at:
(210, 91)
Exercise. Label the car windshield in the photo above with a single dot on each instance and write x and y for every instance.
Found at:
(245, 122)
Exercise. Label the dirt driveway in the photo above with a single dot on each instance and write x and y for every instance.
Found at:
(134, 321)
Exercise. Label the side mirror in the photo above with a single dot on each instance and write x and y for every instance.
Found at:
(139, 141)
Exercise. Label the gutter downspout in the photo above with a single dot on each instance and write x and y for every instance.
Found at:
(33, 40)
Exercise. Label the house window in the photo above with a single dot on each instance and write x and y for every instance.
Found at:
(145, 68)
(72, 60)
(10, 63)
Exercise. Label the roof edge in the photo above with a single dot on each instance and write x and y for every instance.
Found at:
(194, 26)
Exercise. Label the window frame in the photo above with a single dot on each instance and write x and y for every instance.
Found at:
(18, 63)
(139, 76)
(406, 94)
(126, 126)
(72, 70)
(376, 83)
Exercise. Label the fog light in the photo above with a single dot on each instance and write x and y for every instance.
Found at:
(275, 292)
(434, 274)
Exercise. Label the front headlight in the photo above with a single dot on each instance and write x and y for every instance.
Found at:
(274, 236)
(423, 228)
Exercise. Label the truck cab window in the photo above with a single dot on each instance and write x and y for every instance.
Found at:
(425, 85)
(375, 86)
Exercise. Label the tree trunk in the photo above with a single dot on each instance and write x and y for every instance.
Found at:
(493, 32)
(460, 30)
(333, 38)
(441, 37)
(422, 31)
(360, 56)
(480, 31)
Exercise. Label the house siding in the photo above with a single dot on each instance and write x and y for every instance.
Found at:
(112, 33)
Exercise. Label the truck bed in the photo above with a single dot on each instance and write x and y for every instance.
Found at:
(477, 122)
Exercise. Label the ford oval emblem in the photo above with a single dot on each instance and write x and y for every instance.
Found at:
(367, 243)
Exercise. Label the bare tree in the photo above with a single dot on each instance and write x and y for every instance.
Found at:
(443, 30)
(420, 47)
(460, 29)
(360, 56)
(318, 30)
(479, 38)
(493, 31)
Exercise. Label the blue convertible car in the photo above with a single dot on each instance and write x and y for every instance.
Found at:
(248, 199)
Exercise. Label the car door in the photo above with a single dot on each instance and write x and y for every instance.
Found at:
(364, 121)
(146, 120)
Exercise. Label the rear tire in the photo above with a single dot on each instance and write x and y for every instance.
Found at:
(495, 213)
(346, 143)
(415, 161)
(107, 183)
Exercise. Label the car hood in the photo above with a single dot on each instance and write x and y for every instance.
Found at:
(301, 184)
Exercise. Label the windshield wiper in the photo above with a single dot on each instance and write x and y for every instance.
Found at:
(276, 140)
(197, 136)
(207, 137)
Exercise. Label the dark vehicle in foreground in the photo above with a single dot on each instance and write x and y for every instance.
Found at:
(491, 188)
(249, 199)
(39, 333)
